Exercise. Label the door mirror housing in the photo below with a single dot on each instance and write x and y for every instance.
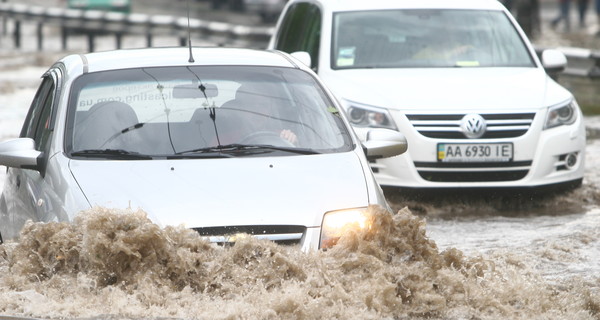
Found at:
(384, 143)
(554, 61)
(303, 57)
(20, 153)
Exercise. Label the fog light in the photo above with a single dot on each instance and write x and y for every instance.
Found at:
(571, 160)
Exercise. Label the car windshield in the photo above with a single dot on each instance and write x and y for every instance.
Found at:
(417, 38)
(208, 111)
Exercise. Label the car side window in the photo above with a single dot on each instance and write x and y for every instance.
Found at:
(37, 125)
(301, 31)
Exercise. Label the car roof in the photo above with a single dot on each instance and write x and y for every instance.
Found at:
(360, 5)
(174, 56)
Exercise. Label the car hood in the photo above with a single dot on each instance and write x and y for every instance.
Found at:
(448, 88)
(294, 190)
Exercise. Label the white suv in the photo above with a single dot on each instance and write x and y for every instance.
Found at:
(458, 78)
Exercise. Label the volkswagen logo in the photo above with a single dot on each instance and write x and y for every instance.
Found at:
(473, 126)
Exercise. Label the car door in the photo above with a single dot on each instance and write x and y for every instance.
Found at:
(27, 195)
(300, 30)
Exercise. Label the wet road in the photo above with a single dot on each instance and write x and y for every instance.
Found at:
(556, 233)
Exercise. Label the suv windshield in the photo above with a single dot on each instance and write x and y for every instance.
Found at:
(417, 38)
(210, 111)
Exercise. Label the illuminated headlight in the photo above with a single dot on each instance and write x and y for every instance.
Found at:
(561, 115)
(367, 116)
(336, 223)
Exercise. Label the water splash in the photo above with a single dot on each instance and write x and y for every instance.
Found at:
(119, 265)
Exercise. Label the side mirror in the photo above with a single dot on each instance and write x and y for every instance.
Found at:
(303, 57)
(384, 143)
(554, 61)
(20, 153)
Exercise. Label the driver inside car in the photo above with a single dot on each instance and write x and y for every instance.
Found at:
(261, 116)
(446, 46)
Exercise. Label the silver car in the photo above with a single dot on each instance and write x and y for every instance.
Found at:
(240, 141)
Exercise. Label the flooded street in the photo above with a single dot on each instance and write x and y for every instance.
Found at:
(124, 267)
(482, 256)
(556, 234)
(556, 246)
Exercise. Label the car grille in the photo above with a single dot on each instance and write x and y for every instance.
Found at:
(447, 126)
(473, 171)
(281, 234)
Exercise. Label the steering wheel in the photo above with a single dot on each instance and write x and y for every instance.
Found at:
(266, 137)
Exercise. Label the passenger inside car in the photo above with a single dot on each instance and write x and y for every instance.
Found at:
(101, 125)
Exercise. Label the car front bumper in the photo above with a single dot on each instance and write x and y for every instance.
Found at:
(539, 158)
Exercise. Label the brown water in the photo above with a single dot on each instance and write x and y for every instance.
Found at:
(119, 265)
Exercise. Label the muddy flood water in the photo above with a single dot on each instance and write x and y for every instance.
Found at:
(494, 256)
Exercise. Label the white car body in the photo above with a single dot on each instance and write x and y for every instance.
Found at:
(279, 196)
(432, 106)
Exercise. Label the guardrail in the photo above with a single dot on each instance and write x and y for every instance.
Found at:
(581, 62)
(93, 22)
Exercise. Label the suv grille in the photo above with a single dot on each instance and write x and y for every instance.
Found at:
(447, 126)
(473, 171)
(281, 234)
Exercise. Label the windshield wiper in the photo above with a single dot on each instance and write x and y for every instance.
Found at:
(128, 129)
(286, 149)
(235, 147)
(112, 154)
(215, 151)
(209, 152)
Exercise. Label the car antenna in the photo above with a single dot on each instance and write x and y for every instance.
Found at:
(191, 59)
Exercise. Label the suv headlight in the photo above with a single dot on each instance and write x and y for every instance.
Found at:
(336, 223)
(561, 115)
(368, 116)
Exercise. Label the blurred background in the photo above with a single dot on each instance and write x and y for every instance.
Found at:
(40, 31)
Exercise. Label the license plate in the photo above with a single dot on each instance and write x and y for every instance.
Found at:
(475, 152)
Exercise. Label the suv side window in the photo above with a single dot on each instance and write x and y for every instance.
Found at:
(38, 124)
(301, 31)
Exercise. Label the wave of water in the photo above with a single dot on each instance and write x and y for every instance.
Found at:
(119, 265)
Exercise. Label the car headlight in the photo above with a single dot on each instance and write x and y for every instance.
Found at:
(336, 223)
(368, 116)
(561, 115)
